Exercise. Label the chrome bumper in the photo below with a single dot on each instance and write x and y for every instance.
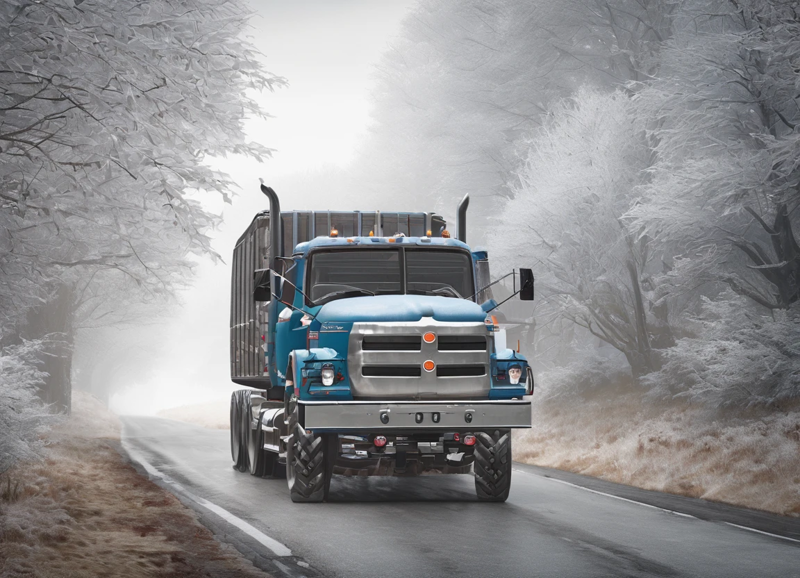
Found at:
(375, 416)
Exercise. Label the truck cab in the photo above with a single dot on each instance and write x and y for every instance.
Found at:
(371, 349)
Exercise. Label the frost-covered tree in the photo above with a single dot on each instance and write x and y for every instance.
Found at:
(737, 356)
(723, 119)
(22, 416)
(620, 39)
(459, 92)
(109, 109)
(567, 215)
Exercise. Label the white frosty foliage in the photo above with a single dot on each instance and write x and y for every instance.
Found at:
(567, 220)
(722, 119)
(588, 376)
(739, 357)
(22, 415)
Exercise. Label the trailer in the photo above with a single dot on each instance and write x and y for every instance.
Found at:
(367, 345)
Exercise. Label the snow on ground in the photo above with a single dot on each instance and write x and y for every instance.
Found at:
(748, 458)
(213, 414)
(83, 511)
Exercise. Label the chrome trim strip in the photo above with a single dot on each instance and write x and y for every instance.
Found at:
(366, 415)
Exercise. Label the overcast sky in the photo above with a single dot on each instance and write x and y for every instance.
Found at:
(326, 49)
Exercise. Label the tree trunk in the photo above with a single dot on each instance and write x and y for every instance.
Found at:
(644, 362)
(53, 322)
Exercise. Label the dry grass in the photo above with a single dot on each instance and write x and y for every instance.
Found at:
(213, 414)
(748, 458)
(84, 512)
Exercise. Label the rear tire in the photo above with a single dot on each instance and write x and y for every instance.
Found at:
(238, 449)
(308, 462)
(257, 456)
(493, 465)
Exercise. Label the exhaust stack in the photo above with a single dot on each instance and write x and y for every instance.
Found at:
(461, 232)
(275, 226)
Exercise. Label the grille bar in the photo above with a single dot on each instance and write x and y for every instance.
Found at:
(391, 343)
(460, 370)
(462, 343)
(391, 371)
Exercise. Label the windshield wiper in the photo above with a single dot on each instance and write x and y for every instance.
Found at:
(445, 291)
(346, 293)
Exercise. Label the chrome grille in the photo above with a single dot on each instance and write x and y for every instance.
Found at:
(385, 360)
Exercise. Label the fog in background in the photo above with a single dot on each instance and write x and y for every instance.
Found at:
(327, 52)
(640, 157)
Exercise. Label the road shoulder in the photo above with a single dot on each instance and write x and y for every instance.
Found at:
(85, 511)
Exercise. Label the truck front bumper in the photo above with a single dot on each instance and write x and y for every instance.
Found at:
(373, 416)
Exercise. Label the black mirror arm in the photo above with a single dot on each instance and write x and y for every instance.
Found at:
(513, 272)
(504, 300)
(285, 280)
(289, 305)
(514, 294)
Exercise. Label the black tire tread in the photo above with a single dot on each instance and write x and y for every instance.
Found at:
(257, 457)
(308, 466)
(493, 465)
(238, 435)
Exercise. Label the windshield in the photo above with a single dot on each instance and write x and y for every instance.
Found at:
(357, 272)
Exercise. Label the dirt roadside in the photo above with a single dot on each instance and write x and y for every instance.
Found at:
(744, 457)
(83, 511)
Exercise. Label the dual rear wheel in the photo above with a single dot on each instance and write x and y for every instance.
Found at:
(247, 440)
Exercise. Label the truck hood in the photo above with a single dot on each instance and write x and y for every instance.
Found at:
(400, 308)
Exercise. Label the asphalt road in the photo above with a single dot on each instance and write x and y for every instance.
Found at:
(554, 524)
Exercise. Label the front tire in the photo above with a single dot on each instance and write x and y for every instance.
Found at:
(308, 461)
(493, 465)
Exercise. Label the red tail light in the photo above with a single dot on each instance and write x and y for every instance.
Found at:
(457, 437)
(379, 441)
(469, 440)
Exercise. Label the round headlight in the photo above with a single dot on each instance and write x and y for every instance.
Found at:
(327, 374)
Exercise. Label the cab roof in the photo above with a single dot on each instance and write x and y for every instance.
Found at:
(303, 248)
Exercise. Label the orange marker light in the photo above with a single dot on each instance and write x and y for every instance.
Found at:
(429, 337)
(445, 234)
(428, 234)
(334, 232)
(429, 365)
(372, 233)
(390, 239)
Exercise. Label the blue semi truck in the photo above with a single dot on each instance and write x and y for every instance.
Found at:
(368, 346)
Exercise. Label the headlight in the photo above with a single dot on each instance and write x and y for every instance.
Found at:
(327, 374)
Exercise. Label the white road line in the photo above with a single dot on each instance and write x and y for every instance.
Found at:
(657, 508)
(277, 548)
(762, 532)
(611, 495)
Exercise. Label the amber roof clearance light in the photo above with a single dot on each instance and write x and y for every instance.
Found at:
(429, 365)
(429, 337)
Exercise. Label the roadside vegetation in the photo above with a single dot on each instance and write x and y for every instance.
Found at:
(82, 510)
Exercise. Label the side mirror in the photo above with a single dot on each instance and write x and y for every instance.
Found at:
(526, 284)
(262, 290)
